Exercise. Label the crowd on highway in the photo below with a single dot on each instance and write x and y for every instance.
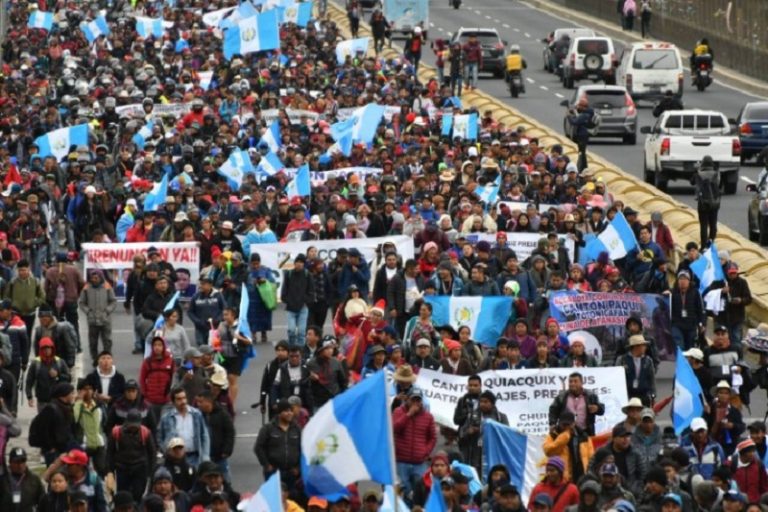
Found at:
(160, 440)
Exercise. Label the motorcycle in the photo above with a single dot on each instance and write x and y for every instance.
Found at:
(516, 87)
(702, 77)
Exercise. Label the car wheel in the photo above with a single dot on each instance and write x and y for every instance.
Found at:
(659, 182)
(647, 173)
(763, 230)
(630, 139)
(752, 234)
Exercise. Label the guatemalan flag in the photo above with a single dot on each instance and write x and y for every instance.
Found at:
(521, 454)
(486, 317)
(140, 138)
(350, 47)
(152, 26)
(447, 121)
(58, 142)
(617, 239)
(299, 186)
(204, 78)
(707, 268)
(160, 321)
(244, 328)
(465, 126)
(338, 445)
(687, 403)
(271, 137)
(489, 192)
(362, 124)
(297, 13)
(244, 11)
(214, 18)
(255, 34)
(343, 146)
(93, 29)
(268, 499)
(235, 167)
(157, 195)
(40, 19)
(270, 164)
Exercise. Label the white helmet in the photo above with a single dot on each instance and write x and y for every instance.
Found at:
(515, 48)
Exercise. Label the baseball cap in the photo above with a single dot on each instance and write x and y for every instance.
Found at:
(609, 469)
(423, 342)
(543, 499)
(698, 424)
(734, 495)
(18, 454)
(75, 457)
(175, 442)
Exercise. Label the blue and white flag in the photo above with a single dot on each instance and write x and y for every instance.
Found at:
(447, 125)
(300, 185)
(140, 137)
(390, 499)
(475, 484)
(93, 29)
(343, 146)
(486, 317)
(297, 13)
(235, 167)
(707, 268)
(350, 48)
(160, 321)
(205, 78)
(521, 454)
(270, 164)
(243, 327)
(489, 192)
(255, 34)
(269, 498)
(244, 11)
(58, 142)
(465, 126)
(40, 19)
(214, 18)
(340, 128)
(338, 445)
(157, 196)
(181, 45)
(688, 394)
(365, 121)
(617, 239)
(271, 137)
(435, 502)
(152, 26)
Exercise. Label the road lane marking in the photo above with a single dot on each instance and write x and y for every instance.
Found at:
(505, 25)
(530, 80)
(543, 87)
(527, 35)
(559, 95)
(477, 12)
(744, 178)
(487, 17)
(516, 29)
(431, 24)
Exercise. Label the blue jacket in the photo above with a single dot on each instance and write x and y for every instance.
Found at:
(712, 457)
(580, 122)
(361, 278)
(458, 285)
(636, 267)
(254, 237)
(528, 291)
(202, 443)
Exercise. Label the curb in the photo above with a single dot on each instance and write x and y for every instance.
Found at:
(682, 220)
(726, 75)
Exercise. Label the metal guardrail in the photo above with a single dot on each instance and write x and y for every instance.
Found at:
(682, 220)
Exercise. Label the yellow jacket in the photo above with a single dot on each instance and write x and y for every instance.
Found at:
(514, 62)
(701, 49)
(558, 447)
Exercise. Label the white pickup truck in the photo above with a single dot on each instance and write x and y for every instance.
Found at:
(680, 138)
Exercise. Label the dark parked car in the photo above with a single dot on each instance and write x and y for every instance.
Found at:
(753, 129)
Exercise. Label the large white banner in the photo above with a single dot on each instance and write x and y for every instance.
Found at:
(117, 260)
(279, 256)
(525, 395)
(523, 206)
(524, 243)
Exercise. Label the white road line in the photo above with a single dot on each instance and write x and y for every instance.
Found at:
(543, 87)
(431, 24)
(516, 29)
(559, 95)
(527, 34)
(505, 25)
(440, 29)
(487, 17)
(530, 80)
(477, 12)
(744, 178)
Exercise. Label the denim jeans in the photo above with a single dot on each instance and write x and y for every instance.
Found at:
(408, 474)
(471, 74)
(297, 326)
(685, 339)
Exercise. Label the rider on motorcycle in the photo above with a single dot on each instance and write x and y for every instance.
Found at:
(515, 65)
(701, 49)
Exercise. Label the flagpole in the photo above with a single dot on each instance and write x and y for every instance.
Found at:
(391, 436)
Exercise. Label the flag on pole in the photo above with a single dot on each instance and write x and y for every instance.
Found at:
(687, 403)
(157, 195)
(255, 34)
(40, 19)
(435, 502)
(300, 185)
(270, 164)
(447, 121)
(58, 142)
(297, 13)
(205, 78)
(140, 138)
(271, 137)
(213, 19)
(93, 29)
(465, 126)
(707, 268)
(235, 167)
(489, 192)
(480, 314)
(243, 327)
(392, 500)
(338, 445)
(269, 498)
(152, 26)
(521, 454)
(617, 239)
(350, 47)
(244, 11)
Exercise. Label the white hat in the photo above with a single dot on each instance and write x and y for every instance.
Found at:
(723, 384)
(694, 353)
(417, 30)
(174, 442)
(246, 198)
(90, 189)
(472, 151)
(131, 202)
(227, 224)
(634, 402)
(698, 424)
(315, 219)
(637, 340)
(180, 217)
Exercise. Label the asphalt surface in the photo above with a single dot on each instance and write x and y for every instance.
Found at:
(520, 23)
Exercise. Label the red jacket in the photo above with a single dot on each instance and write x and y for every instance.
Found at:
(415, 436)
(155, 378)
(752, 479)
(567, 497)
(663, 238)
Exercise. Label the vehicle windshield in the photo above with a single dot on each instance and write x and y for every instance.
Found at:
(655, 59)
(756, 113)
(484, 39)
(599, 46)
(606, 99)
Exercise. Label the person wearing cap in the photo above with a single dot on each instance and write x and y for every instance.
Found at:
(226, 239)
(156, 375)
(206, 309)
(162, 485)
(126, 220)
(655, 488)
(566, 439)
(131, 454)
(646, 438)
(584, 404)
(89, 417)
(733, 500)
(21, 490)
(327, 376)
(721, 357)
(98, 302)
(81, 479)
(67, 276)
(212, 489)
(687, 312)
(297, 292)
(278, 445)
(415, 435)
(354, 272)
(293, 379)
(639, 370)
(612, 492)
(130, 399)
(704, 452)
(155, 303)
(629, 463)
(560, 492)
(748, 470)
(25, 293)
(640, 259)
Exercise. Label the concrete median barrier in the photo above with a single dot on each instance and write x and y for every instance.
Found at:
(682, 220)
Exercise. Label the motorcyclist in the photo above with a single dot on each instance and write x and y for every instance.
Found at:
(668, 102)
(701, 49)
(515, 65)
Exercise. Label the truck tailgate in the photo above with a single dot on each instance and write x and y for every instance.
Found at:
(693, 148)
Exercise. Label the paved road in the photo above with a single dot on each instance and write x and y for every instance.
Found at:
(519, 23)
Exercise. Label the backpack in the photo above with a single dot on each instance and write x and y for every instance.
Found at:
(37, 434)
(709, 193)
(117, 433)
(593, 125)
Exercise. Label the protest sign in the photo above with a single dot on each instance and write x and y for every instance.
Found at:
(280, 256)
(525, 395)
(158, 110)
(523, 206)
(117, 261)
(294, 115)
(523, 243)
(605, 314)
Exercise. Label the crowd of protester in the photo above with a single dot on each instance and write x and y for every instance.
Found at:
(161, 439)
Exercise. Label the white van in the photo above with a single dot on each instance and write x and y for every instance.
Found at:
(649, 70)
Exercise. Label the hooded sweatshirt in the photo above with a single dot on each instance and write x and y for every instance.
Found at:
(45, 372)
(156, 376)
(98, 301)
